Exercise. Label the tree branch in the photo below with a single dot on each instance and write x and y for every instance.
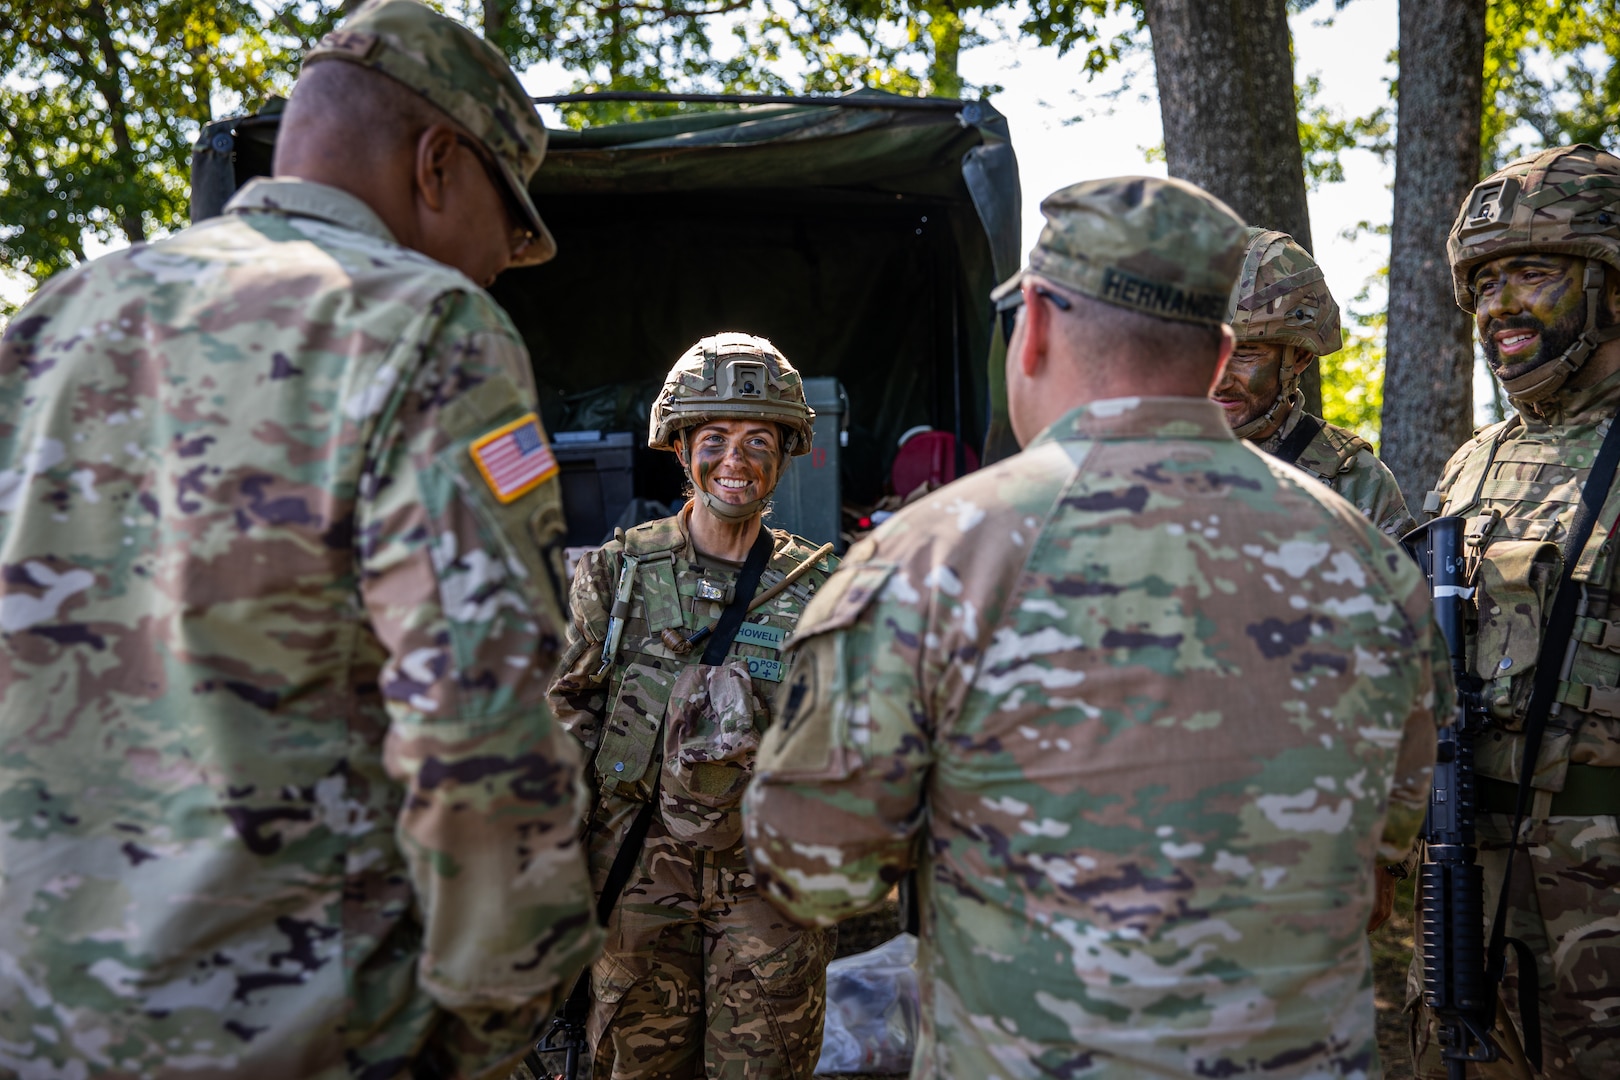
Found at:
(109, 79)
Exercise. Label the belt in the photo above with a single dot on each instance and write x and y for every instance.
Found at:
(1589, 791)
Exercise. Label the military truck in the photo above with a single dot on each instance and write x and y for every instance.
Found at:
(862, 234)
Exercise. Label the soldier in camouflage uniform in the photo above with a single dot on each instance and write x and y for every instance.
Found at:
(1535, 255)
(1140, 704)
(1284, 318)
(700, 977)
(279, 793)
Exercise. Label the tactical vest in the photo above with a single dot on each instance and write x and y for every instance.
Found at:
(671, 592)
(1331, 453)
(1518, 491)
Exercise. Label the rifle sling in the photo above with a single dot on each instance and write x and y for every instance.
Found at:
(1308, 428)
(1543, 693)
(578, 1006)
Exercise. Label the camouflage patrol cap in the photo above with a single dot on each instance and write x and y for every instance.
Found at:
(1161, 247)
(1282, 296)
(462, 75)
(1563, 201)
(732, 377)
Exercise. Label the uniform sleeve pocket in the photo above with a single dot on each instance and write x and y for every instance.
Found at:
(842, 599)
(528, 525)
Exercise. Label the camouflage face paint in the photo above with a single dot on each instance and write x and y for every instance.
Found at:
(736, 461)
(1251, 381)
(1531, 310)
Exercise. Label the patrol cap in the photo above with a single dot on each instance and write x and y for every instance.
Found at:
(465, 77)
(1161, 247)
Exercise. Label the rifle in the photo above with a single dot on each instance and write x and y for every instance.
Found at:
(1452, 884)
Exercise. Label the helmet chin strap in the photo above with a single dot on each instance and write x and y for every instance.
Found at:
(1288, 396)
(727, 511)
(1544, 380)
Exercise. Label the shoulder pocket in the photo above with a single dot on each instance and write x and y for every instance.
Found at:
(841, 600)
(501, 458)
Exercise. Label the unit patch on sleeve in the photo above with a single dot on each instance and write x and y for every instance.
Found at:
(514, 459)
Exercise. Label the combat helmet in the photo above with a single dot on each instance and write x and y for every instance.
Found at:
(732, 376)
(1563, 201)
(1282, 296)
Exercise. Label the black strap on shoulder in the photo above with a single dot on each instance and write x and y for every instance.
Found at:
(731, 619)
(1555, 644)
(1309, 427)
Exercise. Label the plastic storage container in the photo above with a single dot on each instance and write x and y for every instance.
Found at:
(809, 500)
(597, 470)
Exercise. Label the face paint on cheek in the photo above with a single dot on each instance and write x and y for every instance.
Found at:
(705, 460)
(767, 465)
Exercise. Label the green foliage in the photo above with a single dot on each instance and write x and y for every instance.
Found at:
(104, 99)
(1324, 135)
(1353, 379)
(1069, 24)
(1553, 66)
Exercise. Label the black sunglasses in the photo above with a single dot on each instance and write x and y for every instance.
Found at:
(1007, 307)
(522, 234)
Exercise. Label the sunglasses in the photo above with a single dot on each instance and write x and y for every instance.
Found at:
(522, 234)
(1007, 307)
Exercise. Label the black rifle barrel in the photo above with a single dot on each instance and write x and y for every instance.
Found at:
(1452, 884)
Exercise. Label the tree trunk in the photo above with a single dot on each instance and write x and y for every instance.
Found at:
(494, 19)
(109, 79)
(1429, 359)
(1231, 124)
(944, 31)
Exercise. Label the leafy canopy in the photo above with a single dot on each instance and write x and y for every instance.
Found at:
(106, 97)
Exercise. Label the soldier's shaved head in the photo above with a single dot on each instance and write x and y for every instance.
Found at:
(348, 113)
(1069, 349)
(354, 128)
(1101, 335)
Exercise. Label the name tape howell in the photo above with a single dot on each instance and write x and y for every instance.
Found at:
(769, 637)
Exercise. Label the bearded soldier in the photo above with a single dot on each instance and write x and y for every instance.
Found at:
(1535, 256)
(701, 977)
(1284, 318)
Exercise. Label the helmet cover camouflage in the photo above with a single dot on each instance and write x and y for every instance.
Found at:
(1282, 296)
(462, 75)
(1562, 201)
(732, 377)
(1162, 247)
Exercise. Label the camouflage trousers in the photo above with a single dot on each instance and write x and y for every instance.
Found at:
(1566, 908)
(702, 978)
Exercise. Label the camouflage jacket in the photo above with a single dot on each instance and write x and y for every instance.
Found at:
(279, 793)
(1345, 462)
(1144, 705)
(1518, 484)
(618, 715)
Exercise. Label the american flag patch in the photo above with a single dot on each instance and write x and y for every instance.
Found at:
(514, 459)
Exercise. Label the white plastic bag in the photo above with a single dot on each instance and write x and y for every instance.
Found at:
(872, 1010)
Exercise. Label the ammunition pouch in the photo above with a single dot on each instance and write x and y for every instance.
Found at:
(1514, 583)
